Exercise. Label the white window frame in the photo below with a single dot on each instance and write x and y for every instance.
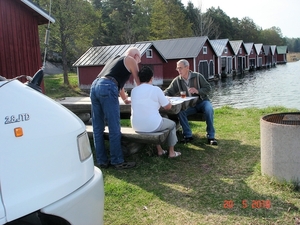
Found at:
(204, 49)
(149, 54)
(225, 50)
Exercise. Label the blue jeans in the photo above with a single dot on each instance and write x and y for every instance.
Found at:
(105, 109)
(204, 107)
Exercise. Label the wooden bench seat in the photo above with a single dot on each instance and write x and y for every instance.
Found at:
(128, 134)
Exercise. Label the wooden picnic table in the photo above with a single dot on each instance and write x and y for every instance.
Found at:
(80, 105)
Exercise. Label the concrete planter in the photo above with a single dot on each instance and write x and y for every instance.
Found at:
(280, 146)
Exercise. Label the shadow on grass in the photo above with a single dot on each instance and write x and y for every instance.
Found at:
(205, 180)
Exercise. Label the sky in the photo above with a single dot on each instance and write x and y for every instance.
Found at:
(264, 13)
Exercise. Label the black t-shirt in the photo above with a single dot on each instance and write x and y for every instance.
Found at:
(116, 68)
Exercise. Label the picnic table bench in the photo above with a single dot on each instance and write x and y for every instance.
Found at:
(128, 134)
(81, 106)
(133, 141)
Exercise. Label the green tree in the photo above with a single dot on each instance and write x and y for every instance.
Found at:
(236, 32)
(118, 17)
(73, 31)
(194, 16)
(272, 36)
(222, 21)
(97, 4)
(248, 30)
(168, 20)
(141, 20)
(209, 27)
(98, 24)
(293, 44)
(159, 22)
(296, 46)
(202, 24)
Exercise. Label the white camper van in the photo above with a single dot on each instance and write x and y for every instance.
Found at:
(47, 173)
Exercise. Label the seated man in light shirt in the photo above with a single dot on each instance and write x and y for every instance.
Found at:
(146, 101)
(194, 84)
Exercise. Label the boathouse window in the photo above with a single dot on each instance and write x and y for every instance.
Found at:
(204, 49)
(240, 51)
(252, 51)
(225, 50)
(149, 53)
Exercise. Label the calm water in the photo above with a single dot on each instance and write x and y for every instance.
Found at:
(277, 86)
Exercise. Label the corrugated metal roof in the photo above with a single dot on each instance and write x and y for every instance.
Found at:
(99, 55)
(236, 46)
(258, 48)
(180, 47)
(282, 49)
(248, 47)
(219, 45)
(266, 49)
(273, 49)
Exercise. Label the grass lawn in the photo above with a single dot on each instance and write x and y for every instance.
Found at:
(55, 88)
(207, 184)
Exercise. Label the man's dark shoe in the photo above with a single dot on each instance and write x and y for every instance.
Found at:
(186, 140)
(212, 141)
(124, 165)
(103, 166)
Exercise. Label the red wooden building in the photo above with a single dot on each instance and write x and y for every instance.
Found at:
(240, 58)
(90, 64)
(281, 54)
(252, 56)
(274, 55)
(19, 37)
(260, 55)
(197, 50)
(225, 54)
(268, 55)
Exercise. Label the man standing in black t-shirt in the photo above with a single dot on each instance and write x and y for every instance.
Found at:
(104, 94)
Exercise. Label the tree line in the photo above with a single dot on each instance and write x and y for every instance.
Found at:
(81, 24)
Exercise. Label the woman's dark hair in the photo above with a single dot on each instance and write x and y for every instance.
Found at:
(145, 74)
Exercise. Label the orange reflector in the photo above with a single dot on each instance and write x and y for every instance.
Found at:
(18, 132)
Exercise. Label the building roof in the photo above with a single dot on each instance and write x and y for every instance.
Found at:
(99, 55)
(282, 49)
(273, 49)
(44, 15)
(258, 48)
(236, 45)
(180, 47)
(219, 45)
(248, 47)
(267, 49)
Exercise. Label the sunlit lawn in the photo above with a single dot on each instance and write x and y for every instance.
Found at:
(207, 184)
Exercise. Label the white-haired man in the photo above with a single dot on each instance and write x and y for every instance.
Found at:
(194, 84)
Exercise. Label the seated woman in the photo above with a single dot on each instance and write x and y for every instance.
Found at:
(146, 100)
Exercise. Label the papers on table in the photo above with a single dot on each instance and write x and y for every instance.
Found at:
(179, 100)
